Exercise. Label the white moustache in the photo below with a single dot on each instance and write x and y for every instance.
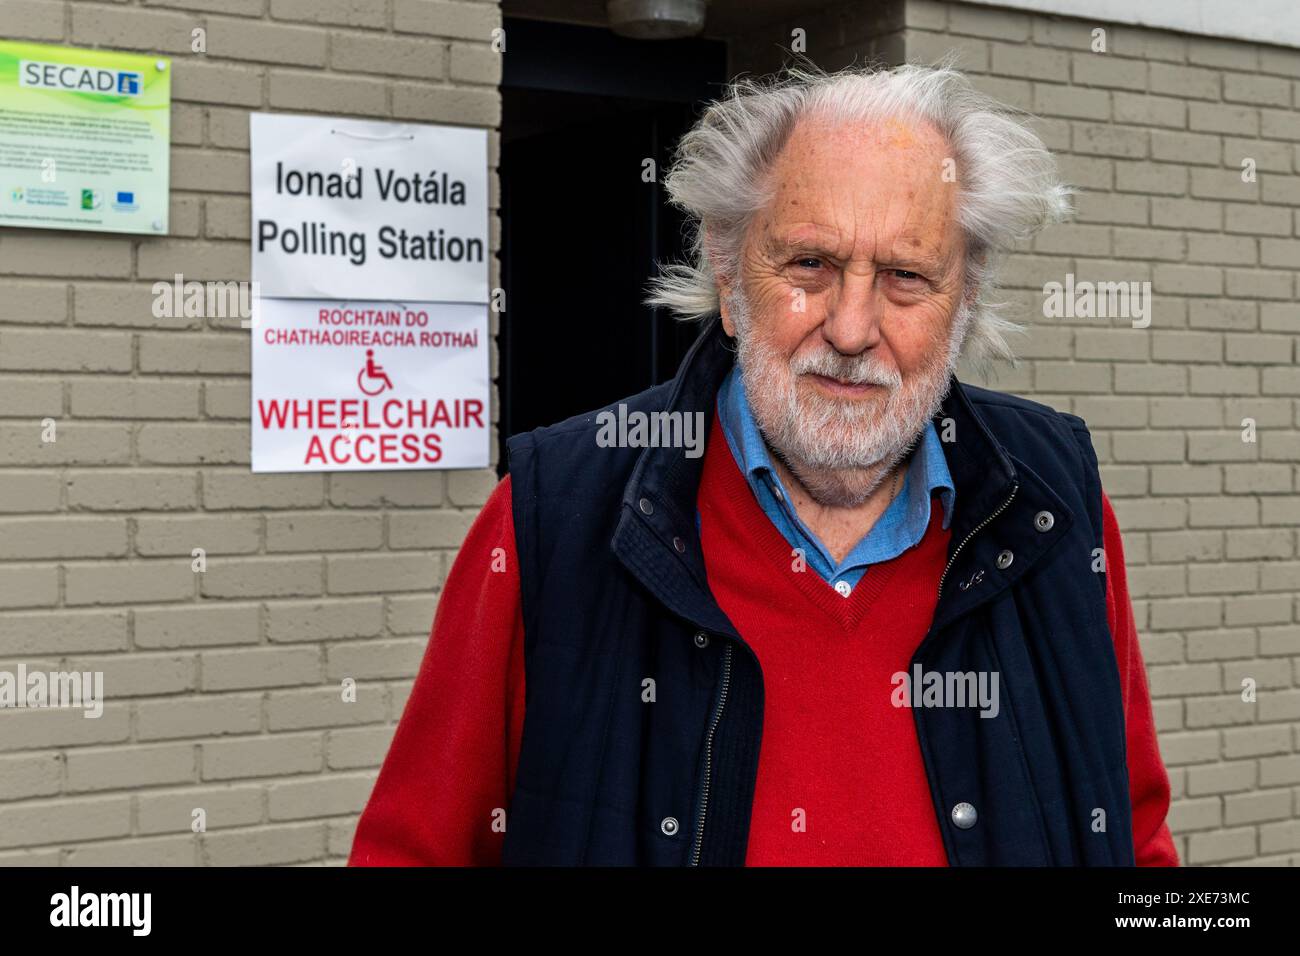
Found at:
(849, 374)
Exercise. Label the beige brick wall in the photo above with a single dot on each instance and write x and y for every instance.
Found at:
(222, 687)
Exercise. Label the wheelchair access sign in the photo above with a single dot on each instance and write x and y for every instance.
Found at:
(369, 386)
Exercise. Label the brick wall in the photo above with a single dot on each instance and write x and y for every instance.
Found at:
(1153, 133)
(222, 686)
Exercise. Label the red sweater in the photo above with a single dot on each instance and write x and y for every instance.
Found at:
(451, 767)
(840, 778)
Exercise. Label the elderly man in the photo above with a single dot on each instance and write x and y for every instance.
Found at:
(882, 620)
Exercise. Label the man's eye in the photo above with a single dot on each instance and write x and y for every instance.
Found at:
(808, 262)
(904, 274)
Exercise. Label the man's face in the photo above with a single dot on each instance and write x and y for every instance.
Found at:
(849, 314)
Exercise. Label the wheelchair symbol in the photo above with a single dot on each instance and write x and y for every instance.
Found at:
(373, 372)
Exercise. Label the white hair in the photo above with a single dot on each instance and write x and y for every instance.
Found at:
(1009, 185)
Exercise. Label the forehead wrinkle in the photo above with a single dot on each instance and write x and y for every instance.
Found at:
(804, 235)
(898, 234)
(924, 229)
(876, 216)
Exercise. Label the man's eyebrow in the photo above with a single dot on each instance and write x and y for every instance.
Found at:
(789, 243)
(918, 260)
(783, 245)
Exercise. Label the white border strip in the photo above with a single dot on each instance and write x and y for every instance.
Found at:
(1261, 21)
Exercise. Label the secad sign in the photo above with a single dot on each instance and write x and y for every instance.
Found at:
(84, 139)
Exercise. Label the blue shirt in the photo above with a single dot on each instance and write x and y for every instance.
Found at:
(901, 527)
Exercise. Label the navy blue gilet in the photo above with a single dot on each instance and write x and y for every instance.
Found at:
(644, 706)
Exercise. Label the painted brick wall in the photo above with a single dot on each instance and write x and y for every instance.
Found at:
(222, 687)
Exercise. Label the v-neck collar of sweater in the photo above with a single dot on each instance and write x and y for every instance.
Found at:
(722, 477)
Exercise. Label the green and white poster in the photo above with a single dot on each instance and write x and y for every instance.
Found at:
(84, 138)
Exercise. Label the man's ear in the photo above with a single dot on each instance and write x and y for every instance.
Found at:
(724, 307)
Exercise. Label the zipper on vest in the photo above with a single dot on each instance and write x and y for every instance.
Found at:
(708, 753)
(974, 531)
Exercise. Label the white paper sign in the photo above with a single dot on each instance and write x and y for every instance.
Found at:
(356, 209)
(365, 385)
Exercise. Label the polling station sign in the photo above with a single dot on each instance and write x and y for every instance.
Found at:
(367, 385)
(84, 139)
(358, 209)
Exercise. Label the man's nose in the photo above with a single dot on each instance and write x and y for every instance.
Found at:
(853, 323)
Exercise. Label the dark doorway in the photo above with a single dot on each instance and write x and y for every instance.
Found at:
(581, 228)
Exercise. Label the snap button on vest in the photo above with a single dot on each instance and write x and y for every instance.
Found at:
(701, 639)
(680, 545)
(964, 816)
(669, 826)
(1043, 521)
(646, 506)
(1005, 558)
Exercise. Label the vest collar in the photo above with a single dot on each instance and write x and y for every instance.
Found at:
(658, 507)
(997, 501)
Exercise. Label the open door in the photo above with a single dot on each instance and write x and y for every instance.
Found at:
(583, 110)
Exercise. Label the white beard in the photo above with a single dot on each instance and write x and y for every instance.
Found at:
(840, 450)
